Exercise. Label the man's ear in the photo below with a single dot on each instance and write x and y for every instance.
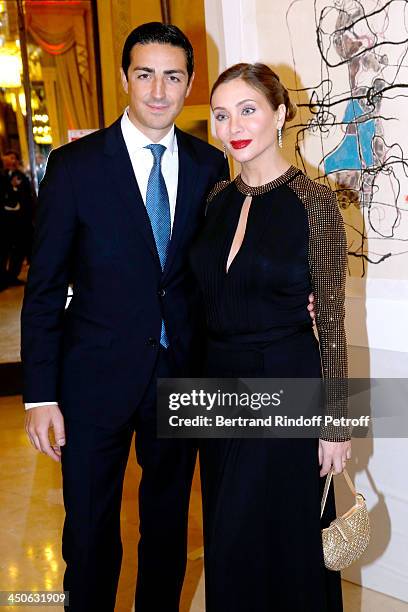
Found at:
(190, 85)
(124, 80)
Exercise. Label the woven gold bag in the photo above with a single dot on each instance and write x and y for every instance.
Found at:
(347, 537)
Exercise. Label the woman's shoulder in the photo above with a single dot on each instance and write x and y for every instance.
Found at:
(217, 189)
(313, 192)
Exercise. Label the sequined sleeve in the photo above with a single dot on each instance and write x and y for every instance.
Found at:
(327, 262)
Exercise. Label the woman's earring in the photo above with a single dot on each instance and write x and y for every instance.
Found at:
(280, 137)
(225, 151)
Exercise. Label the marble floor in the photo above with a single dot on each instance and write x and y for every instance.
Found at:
(31, 518)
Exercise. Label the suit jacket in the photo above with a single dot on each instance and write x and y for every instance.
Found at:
(97, 357)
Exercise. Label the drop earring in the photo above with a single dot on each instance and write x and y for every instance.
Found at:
(280, 137)
(225, 151)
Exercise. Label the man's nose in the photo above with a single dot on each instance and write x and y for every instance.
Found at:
(158, 88)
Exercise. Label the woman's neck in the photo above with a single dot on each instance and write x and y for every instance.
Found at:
(263, 169)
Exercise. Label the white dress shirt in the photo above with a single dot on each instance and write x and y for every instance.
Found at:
(142, 163)
(142, 160)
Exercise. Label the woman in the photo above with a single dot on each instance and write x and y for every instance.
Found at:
(271, 237)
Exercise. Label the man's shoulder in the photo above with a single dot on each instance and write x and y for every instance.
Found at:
(82, 146)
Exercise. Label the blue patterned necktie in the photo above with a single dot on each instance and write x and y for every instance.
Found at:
(158, 209)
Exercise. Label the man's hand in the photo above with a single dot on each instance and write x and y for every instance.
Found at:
(310, 307)
(333, 453)
(37, 425)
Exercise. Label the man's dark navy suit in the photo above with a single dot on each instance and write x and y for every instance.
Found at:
(100, 358)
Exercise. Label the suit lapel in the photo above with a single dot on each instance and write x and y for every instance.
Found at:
(120, 167)
(187, 181)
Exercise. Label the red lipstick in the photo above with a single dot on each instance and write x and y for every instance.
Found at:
(240, 144)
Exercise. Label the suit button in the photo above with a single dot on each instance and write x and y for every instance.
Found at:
(161, 292)
(152, 342)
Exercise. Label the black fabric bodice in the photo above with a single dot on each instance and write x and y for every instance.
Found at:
(265, 291)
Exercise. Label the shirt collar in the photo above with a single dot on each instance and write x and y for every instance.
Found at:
(135, 139)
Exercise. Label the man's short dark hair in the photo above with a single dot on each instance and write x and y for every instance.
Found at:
(156, 32)
(12, 152)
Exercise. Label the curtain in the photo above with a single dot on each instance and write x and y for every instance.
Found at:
(63, 34)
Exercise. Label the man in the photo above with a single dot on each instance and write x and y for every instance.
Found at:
(16, 214)
(104, 203)
(118, 211)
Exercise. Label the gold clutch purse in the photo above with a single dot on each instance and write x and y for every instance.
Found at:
(347, 537)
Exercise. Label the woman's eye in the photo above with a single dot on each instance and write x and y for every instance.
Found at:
(220, 117)
(248, 110)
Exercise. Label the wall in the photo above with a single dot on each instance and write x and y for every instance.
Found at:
(360, 150)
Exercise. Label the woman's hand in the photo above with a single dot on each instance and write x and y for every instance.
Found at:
(333, 454)
(310, 308)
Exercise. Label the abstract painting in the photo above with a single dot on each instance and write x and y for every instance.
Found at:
(350, 81)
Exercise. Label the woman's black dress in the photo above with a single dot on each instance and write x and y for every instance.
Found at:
(261, 497)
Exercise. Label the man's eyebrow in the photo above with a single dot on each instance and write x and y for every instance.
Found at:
(152, 70)
(143, 68)
(175, 71)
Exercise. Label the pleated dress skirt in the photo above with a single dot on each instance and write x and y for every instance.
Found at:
(261, 497)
